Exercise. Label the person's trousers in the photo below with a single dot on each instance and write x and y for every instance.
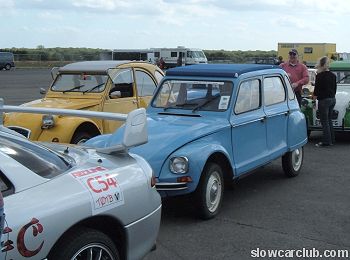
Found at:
(325, 108)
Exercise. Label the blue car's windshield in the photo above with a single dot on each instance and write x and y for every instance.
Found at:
(194, 95)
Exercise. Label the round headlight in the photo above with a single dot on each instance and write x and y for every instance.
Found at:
(48, 121)
(179, 165)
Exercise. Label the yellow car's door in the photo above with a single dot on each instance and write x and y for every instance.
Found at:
(146, 85)
(121, 96)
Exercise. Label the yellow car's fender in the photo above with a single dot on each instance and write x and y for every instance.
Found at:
(71, 130)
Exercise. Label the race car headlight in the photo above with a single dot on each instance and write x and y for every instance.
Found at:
(179, 165)
(48, 122)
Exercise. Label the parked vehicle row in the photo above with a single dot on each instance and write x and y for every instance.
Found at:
(206, 126)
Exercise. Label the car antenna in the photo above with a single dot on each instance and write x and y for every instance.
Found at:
(66, 150)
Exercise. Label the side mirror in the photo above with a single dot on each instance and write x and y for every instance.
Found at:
(42, 91)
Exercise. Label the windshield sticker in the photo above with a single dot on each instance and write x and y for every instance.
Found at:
(104, 189)
(224, 101)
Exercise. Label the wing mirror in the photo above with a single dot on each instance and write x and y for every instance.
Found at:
(42, 91)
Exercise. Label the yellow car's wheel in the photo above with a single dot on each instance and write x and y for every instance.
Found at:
(81, 137)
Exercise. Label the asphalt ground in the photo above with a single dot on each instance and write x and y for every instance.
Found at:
(265, 210)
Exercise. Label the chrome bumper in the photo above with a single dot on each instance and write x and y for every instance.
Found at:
(168, 186)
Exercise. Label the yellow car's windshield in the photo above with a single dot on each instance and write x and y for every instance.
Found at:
(79, 82)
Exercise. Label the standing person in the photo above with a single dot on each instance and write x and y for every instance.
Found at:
(297, 73)
(161, 63)
(325, 89)
(280, 60)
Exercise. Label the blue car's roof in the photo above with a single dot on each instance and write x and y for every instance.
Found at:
(217, 70)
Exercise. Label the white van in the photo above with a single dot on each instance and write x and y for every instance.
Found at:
(180, 56)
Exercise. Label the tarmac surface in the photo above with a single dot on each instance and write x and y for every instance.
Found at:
(265, 210)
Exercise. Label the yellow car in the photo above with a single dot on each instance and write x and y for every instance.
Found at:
(109, 86)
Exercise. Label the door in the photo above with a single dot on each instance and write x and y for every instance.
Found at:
(121, 96)
(146, 86)
(277, 113)
(249, 128)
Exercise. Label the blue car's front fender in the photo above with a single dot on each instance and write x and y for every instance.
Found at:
(197, 153)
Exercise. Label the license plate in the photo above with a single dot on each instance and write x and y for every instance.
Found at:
(318, 123)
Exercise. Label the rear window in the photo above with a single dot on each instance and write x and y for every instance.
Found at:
(37, 158)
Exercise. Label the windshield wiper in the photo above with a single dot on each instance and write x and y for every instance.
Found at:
(93, 88)
(76, 87)
(205, 103)
(181, 105)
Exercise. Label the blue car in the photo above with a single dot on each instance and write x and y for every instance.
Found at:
(210, 124)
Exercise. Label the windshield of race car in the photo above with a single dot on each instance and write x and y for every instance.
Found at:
(37, 158)
(194, 95)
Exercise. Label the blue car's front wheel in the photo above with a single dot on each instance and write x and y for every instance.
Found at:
(209, 193)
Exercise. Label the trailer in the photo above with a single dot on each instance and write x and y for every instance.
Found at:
(308, 53)
(172, 57)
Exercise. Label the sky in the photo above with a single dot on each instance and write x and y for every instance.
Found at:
(206, 24)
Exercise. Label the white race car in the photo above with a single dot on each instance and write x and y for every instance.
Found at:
(71, 202)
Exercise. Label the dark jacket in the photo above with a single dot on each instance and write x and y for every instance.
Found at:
(325, 85)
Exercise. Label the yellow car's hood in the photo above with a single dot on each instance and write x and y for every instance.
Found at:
(63, 103)
(33, 122)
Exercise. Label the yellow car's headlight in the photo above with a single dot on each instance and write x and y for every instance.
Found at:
(48, 121)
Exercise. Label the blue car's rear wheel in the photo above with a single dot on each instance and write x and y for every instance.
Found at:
(292, 162)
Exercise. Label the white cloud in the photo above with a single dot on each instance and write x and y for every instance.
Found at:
(214, 24)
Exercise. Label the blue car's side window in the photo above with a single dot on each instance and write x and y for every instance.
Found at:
(273, 91)
(248, 97)
(291, 94)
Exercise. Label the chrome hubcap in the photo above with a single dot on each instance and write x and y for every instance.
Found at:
(93, 251)
(297, 158)
(213, 192)
(81, 141)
